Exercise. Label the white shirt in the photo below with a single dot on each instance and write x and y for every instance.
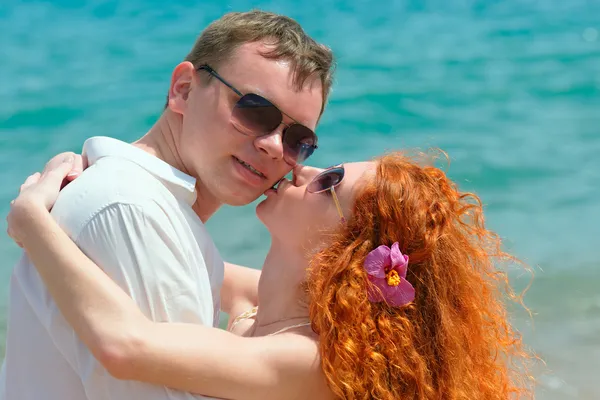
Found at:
(131, 213)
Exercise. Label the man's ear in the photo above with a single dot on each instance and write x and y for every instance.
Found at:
(181, 84)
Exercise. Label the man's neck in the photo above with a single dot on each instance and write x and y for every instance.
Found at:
(160, 141)
(280, 296)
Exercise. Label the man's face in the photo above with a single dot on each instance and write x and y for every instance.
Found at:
(213, 150)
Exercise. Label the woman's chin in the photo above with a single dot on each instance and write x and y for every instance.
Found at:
(263, 211)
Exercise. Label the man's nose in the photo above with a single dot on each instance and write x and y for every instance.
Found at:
(271, 144)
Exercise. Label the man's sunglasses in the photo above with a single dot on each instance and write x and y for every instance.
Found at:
(253, 115)
(327, 181)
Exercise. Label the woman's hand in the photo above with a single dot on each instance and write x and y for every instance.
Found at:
(41, 190)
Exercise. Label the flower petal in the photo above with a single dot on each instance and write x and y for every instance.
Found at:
(399, 260)
(377, 260)
(401, 295)
(375, 291)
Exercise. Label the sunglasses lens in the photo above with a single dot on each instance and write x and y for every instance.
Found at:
(254, 115)
(326, 180)
(298, 143)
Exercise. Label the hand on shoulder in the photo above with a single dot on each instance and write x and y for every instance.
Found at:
(40, 191)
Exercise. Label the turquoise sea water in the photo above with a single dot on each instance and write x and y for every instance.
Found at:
(510, 89)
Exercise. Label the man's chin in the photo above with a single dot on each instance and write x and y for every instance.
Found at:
(238, 193)
(244, 199)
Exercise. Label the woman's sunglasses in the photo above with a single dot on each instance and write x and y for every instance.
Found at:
(253, 115)
(327, 181)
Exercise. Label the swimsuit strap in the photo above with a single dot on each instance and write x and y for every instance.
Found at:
(287, 328)
(251, 313)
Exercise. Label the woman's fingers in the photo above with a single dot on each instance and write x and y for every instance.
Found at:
(31, 179)
(59, 159)
(40, 190)
(10, 226)
(79, 164)
(57, 173)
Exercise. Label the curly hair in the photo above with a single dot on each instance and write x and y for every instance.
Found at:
(454, 341)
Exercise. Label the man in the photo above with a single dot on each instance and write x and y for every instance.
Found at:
(138, 210)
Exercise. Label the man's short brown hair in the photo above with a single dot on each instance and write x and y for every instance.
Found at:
(285, 37)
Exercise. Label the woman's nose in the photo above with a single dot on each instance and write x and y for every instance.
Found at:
(304, 174)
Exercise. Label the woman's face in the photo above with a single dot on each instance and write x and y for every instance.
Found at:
(301, 219)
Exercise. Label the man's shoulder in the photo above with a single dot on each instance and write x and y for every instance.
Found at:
(112, 180)
(109, 182)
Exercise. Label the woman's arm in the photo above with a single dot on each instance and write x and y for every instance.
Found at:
(187, 357)
(239, 292)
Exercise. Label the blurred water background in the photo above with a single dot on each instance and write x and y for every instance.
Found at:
(510, 89)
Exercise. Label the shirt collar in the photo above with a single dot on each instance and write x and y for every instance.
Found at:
(178, 182)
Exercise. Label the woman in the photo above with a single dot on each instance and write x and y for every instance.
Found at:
(379, 284)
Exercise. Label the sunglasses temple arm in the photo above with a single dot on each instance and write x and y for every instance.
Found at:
(337, 204)
(214, 73)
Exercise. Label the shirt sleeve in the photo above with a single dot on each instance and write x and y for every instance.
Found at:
(141, 249)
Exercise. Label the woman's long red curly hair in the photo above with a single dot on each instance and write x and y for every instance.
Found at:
(454, 341)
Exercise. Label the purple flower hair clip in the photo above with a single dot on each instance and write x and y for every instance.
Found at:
(386, 268)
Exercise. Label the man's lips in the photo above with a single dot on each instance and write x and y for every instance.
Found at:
(251, 168)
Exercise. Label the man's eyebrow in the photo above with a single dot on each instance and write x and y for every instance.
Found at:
(247, 89)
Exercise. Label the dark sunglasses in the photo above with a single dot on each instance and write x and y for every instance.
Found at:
(253, 115)
(327, 181)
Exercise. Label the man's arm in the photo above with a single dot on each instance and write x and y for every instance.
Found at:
(138, 246)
